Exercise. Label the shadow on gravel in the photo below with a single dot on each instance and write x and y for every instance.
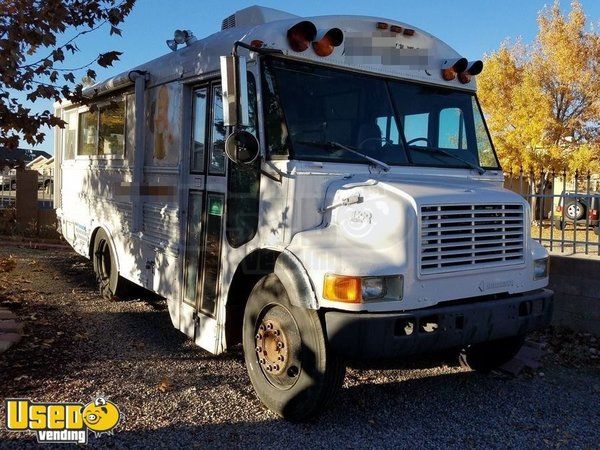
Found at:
(144, 330)
(360, 411)
(75, 269)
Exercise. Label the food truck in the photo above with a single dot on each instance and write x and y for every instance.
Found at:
(316, 189)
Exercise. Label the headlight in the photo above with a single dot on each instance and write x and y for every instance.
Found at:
(540, 268)
(373, 288)
(349, 289)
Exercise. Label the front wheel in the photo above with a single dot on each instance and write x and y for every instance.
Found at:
(487, 356)
(290, 366)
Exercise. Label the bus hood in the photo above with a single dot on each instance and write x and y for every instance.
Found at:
(418, 191)
(420, 227)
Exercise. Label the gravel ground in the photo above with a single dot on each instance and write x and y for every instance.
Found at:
(172, 393)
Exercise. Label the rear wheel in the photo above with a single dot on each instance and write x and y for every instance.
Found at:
(290, 366)
(105, 267)
(487, 356)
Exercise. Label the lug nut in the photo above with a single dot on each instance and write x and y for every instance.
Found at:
(262, 360)
(258, 337)
(262, 327)
(277, 332)
(280, 345)
(269, 326)
(269, 367)
(258, 349)
(281, 358)
(276, 367)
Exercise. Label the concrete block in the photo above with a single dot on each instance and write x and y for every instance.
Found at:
(575, 281)
(10, 326)
(6, 314)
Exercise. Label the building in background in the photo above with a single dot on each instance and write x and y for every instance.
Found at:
(10, 158)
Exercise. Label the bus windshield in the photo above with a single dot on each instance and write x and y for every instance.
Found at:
(399, 123)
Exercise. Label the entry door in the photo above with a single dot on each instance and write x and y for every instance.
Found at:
(205, 217)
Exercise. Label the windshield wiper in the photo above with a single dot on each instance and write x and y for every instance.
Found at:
(474, 166)
(332, 145)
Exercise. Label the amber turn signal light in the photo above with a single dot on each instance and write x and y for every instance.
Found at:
(473, 68)
(451, 68)
(301, 35)
(330, 40)
(341, 288)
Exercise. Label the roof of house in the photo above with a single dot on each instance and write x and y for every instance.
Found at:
(38, 161)
(10, 156)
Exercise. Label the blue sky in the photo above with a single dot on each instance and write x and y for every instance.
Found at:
(472, 27)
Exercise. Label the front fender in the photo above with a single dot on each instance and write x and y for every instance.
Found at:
(296, 281)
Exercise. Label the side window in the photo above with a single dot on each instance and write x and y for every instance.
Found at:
(243, 188)
(211, 250)
(487, 156)
(88, 133)
(416, 126)
(101, 131)
(217, 145)
(70, 134)
(452, 132)
(199, 133)
(111, 134)
(276, 133)
(192, 252)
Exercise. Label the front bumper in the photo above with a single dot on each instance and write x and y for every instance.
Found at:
(375, 335)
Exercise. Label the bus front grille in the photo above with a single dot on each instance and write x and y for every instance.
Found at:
(467, 237)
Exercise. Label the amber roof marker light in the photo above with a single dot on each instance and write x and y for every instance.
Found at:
(301, 35)
(473, 68)
(331, 39)
(451, 68)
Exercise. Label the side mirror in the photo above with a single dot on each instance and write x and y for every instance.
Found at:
(242, 147)
(235, 91)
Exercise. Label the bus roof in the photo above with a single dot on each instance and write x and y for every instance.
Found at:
(398, 50)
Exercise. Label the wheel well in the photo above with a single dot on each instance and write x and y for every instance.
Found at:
(92, 239)
(252, 268)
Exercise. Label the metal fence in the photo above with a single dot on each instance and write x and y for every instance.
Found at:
(8, 191)
(565, 208)
(46, 192)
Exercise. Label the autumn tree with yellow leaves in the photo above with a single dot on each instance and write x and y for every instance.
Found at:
(542, 101)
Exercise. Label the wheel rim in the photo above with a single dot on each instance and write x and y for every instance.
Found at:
(278, 345)
(574, 211)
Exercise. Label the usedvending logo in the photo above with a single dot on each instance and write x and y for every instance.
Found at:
(62, 422)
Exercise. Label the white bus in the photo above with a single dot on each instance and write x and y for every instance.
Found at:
(316, 189)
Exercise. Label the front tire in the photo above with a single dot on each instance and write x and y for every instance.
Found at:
(110, 283)
(289, 364)
(487, 356)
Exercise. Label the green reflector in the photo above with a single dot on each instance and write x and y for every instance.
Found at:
(215, 207)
